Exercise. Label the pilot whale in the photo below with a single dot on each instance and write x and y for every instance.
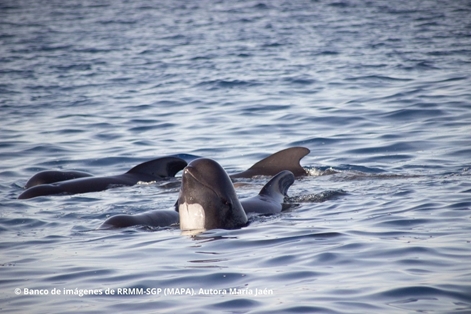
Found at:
(154, 170)
(207, 198)
(74, 182)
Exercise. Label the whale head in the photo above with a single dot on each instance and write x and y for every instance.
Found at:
(207, 198)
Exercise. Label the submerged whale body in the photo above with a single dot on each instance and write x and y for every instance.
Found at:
(155, 170)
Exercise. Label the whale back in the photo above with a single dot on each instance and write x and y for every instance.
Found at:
(52, 176)
(163, 167)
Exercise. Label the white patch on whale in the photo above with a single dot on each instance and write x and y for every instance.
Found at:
(192, 216)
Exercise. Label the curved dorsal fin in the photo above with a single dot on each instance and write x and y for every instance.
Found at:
(160, 167)
(287, 159)
(278, 185)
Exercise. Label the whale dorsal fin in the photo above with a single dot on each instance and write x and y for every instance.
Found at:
(287, 159)
(278, 185)
(160, 167)
(271, 198)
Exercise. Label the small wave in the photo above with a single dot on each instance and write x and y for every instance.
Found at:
(357, 169)
(237, 304)
(414, 114)
(406, 294)
(315, 198)
(377, 78)
(261, 6)
(391, 148)
(300, 308)
(322, 171)
(300, 80)
(22, 222)
(317, 141)
(74, 67)
(224, 84)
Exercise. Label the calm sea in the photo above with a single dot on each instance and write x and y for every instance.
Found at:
(379, 91)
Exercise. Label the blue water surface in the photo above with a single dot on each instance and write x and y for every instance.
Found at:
(379, 91)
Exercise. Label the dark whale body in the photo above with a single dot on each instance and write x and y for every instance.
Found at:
(55, 182)
(207, 198)
(211, 202)
(52, 176)
(155, 170)
(154, 218)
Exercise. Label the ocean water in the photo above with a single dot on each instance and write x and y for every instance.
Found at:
(379, 91)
